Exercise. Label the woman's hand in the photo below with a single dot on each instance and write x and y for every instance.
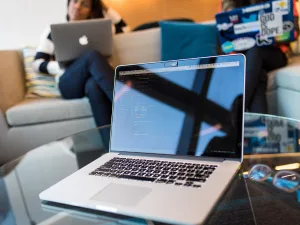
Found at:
(228, 9)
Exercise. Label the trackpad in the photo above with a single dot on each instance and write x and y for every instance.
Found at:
(121, 194)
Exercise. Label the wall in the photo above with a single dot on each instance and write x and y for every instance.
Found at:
(22, 21)
(140, 11)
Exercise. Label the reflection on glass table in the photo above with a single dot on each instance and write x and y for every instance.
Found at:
(285, 180)
(245, 201)
(270, 134)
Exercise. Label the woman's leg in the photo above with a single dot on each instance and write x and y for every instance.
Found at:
(77, 82)
(259, 61)
(101, 108)
(259, 102)
(100, 104)
(255, 98)
(92, 64)
(273, 58)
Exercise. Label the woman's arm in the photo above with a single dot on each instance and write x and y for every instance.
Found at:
(43, 61)
(228, 5)
(120, 24)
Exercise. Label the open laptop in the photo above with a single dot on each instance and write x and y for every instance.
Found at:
(259, 25)
(71, 40)
(176, 142)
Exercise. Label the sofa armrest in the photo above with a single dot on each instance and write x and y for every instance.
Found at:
(3, 139)
(12, 79)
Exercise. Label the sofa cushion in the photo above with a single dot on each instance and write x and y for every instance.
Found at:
(34, 111)
(287, 77)
(288, 101)
(181, 40)
(137, 47)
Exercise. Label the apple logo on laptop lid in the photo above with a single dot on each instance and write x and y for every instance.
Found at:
(83, 40)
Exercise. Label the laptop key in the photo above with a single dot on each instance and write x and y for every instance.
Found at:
(106, 166)
(161, 181)
(102, 170)
(196, 179)
(170, 181)
(137, 178)
(93, 173)
(113, 175)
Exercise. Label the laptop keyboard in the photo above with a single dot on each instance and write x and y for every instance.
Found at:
(175, 173)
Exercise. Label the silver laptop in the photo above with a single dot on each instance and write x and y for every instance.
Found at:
(176, 142)
(71, 40)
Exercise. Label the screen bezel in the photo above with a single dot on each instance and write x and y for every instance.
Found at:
(186, 62)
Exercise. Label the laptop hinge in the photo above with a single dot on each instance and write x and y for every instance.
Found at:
(172, 156)
(234, 159)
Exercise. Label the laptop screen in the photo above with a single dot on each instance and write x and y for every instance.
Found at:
(186, 107)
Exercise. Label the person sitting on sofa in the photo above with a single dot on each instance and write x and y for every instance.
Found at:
(260, 61)
(90, 75)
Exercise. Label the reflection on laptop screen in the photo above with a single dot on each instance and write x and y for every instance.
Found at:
(194, 108)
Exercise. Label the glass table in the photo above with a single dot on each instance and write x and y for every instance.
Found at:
(268, 140)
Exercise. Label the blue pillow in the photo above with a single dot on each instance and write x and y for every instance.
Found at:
(181, 40)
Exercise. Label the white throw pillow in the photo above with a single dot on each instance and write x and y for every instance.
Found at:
(39, 85)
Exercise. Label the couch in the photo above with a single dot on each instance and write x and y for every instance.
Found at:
(28, 123)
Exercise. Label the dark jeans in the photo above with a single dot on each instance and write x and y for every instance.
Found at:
(91, 76)
(260, 61)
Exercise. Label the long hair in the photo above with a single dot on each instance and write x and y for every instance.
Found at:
(96, 9)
